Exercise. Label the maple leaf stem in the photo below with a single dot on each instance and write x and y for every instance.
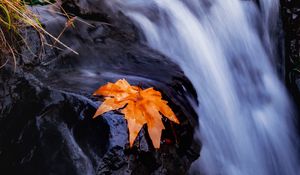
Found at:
(174, 133)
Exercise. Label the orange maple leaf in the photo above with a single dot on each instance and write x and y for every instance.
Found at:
(143, 107)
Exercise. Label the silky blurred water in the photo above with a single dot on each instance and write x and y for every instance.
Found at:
(225, 48)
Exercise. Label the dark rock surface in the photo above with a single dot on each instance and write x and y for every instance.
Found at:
(46, 103)
(290, 12)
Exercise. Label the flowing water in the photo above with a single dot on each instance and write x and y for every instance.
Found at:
(226, 49)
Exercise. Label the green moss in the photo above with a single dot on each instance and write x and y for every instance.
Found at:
(39, 2)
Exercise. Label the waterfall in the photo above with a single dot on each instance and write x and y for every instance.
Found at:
(225, 48)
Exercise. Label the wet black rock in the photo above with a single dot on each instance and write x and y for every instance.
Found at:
(290, 10)
(46, 103)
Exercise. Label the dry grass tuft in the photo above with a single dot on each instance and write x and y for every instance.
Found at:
(15, 16)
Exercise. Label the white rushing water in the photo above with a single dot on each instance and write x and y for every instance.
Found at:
(225, 49)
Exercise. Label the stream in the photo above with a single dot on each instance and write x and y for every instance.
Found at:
(218, 63)
(227, 49)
